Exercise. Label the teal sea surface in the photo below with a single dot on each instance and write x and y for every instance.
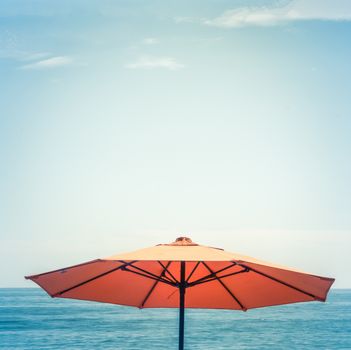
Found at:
(30, 319)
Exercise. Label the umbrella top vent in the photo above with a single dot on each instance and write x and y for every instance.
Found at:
(182, 241)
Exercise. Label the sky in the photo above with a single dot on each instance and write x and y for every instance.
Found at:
(124, 124)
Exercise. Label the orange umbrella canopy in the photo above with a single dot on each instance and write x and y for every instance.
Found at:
(212, 278)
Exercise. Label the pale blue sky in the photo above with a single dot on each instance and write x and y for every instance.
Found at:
(128, 123)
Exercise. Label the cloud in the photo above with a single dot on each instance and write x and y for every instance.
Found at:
(150, 41)
(34, 56)
(155, 62)
(295, 10)
(10, 48)
(49, 63)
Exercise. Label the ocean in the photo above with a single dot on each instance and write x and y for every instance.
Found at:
(30, 319)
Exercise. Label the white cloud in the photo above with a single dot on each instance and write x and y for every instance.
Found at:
(155, 62)
(34, 56)
(52, 62)
(150, 41)
(10, 48)
(295, 10)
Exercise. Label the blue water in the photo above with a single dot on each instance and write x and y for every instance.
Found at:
(29, 319)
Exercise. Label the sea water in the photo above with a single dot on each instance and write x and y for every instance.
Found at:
(30, 319)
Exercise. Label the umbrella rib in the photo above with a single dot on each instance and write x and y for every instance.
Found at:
(169, 272)
(145, 272)
(283, 283)
(149, 274)
(64, 269)
(225, 287)
(192, 284)
(212, 274)
(92, 279)
(192, 271)
(154, 286)
(150, 277)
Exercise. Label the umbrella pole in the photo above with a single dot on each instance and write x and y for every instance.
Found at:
(181, 305)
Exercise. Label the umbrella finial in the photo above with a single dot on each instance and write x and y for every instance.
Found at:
(180, 241)
(183, 241)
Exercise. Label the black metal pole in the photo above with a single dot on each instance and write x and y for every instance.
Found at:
(181, 305)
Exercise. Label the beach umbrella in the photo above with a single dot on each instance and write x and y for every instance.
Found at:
(182, 275)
